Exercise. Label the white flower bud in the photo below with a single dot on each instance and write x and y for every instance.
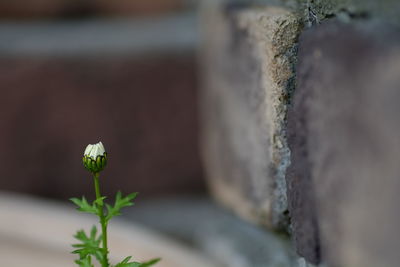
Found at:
(95, 158)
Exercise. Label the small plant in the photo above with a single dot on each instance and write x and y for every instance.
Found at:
(94, 245)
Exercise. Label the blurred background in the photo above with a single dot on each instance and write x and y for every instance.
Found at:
(77, 72)
(124, 72)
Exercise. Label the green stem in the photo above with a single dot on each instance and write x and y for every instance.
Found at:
(103, 223)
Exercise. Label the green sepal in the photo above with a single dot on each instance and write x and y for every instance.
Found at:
(98, 162)
(95, 165)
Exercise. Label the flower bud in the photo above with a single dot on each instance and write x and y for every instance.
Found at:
(95, 158)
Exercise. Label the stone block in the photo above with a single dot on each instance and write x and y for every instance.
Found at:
(247, 62)
(314, 12)
(345, 145)
(300, 191)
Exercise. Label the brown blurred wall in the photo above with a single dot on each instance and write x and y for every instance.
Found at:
(142, 108)
(28, 9)
(130, 84)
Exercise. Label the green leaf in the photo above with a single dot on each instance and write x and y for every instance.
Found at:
(150, 262)
(99, 201)
(126, 263)
(90, 245)
(84, 206)
(120, 202)
(86, 262)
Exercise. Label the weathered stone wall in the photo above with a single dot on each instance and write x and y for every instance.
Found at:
(248, 59)
(331, 134)
(346, 103)
(315, 11)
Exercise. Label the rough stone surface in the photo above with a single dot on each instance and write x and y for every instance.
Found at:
(300, 191)
(348, 90)
(315, 11)
(248, 71)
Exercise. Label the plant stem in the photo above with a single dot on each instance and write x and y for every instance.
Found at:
(103, 223)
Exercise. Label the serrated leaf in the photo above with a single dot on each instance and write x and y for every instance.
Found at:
(99, 201)
(120, 202)
(149, 263)
(90, 245)
(86, 262)
(126, 263)
(84, 206)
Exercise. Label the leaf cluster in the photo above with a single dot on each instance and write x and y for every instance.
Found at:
(111, 211)
(127, 263)
(90, 245)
